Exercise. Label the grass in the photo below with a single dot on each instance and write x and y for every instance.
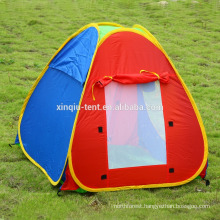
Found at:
(31, 32)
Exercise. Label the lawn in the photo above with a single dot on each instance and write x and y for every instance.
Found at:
(30, 33)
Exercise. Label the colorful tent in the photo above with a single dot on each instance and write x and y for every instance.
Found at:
(110, 112)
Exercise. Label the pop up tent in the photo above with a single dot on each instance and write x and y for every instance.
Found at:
(110, 112)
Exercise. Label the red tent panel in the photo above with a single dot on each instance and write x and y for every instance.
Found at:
(126, 53)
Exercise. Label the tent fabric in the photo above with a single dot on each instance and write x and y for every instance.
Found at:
(17, 139)
(75, 58)
(128, 52)
(45, 139)
(204, 171)
(133, 79)
(104, 29)
(45, 128)
(69, 183)
(103, 65)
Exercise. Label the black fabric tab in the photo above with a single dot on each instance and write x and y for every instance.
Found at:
(100, 129)
(103, 177)
(170, 123)
(207, 182)
(171, 170)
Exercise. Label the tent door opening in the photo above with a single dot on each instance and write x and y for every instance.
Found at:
(135, 125)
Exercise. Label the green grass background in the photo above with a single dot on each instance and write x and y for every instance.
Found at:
(30, 33)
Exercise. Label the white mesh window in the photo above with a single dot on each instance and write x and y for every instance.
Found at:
(135, 125)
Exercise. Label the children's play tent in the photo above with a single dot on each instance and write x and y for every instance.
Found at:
(111, 112)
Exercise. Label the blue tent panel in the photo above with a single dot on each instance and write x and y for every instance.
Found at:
(75, 57)
(49, 116)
